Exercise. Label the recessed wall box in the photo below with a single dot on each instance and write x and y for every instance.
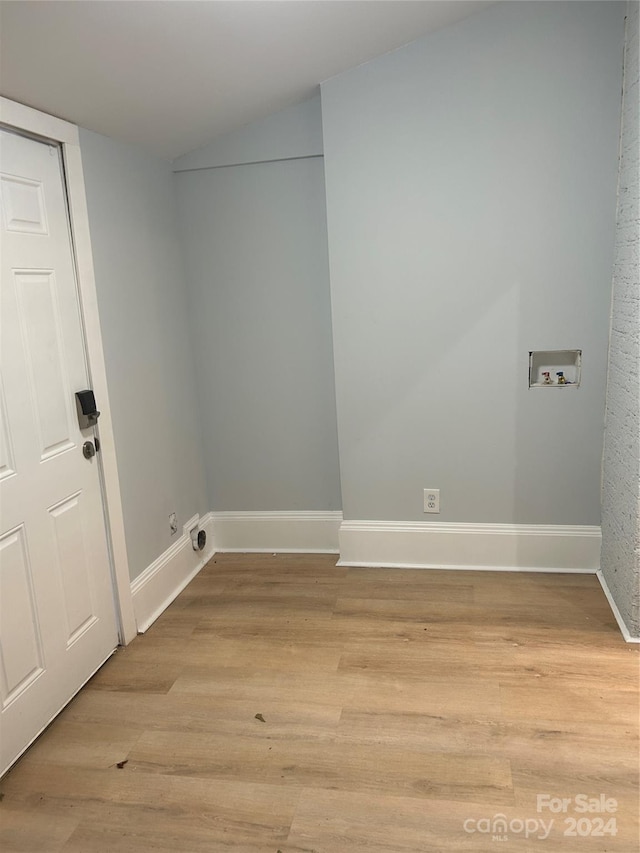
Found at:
(555, 368)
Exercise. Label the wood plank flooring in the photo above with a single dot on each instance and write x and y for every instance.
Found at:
(403, 711)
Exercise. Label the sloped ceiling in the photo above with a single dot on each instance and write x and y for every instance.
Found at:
(173, 75)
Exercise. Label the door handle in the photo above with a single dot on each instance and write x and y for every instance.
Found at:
(88, 413)
(88, 450)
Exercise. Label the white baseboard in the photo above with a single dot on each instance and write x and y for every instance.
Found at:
(493, 547)
(162, 581)
(614, 609)
(386, 544)
(282, 532)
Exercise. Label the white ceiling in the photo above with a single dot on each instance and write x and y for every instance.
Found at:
(171, 75)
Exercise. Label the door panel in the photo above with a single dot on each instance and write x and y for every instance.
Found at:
(23, 205)
(57, 606)
(7, 465)
(42, 338)
(71, 553)
(22, 659)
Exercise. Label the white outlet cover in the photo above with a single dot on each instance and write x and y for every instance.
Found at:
(432, 500)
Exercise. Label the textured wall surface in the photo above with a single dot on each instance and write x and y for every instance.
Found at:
(621, 462)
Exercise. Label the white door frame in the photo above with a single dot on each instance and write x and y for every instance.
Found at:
(45, 126)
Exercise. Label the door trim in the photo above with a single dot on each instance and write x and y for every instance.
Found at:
(28, 120)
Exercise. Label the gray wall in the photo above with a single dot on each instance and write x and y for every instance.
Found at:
(621, 460)
(255, 244)
(471, 184)
(293, 132)
(140, 284)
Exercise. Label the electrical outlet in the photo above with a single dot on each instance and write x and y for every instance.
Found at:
(432, 500)
(173, 523)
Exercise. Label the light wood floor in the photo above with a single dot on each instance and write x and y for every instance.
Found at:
(397, 706)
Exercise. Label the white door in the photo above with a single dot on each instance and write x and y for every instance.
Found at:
(57, 614)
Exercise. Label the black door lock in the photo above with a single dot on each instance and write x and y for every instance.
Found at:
(88, 413)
